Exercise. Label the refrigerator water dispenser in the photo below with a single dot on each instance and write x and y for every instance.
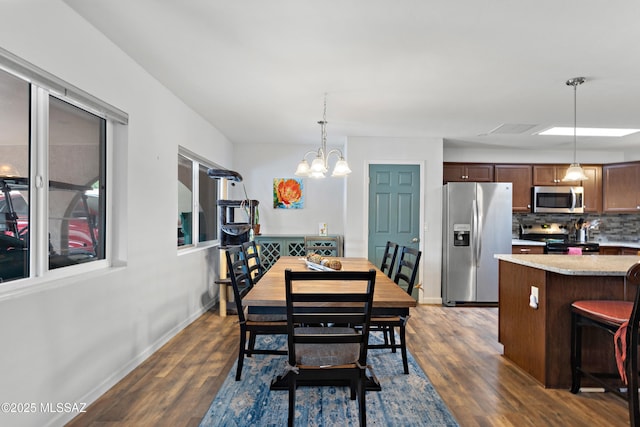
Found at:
(461, 234)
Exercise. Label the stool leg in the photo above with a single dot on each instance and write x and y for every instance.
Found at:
(576, 353)
(632, 379)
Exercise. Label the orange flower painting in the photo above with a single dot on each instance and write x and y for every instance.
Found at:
(287, 193)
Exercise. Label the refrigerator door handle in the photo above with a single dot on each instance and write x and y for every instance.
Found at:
(476, 233)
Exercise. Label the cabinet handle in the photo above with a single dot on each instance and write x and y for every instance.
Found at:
(525, 250)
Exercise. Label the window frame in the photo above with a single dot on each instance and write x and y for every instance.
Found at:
(42, 86)
(196, 162)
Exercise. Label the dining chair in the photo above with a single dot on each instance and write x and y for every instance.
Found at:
(620, 319)
(323, 245)
(405, 277)
(256, 268)
(325, 355)
(389, 258)
(251, 324)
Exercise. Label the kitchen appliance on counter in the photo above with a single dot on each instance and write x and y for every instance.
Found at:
(560, 199)
(476, 225)
(558, 238)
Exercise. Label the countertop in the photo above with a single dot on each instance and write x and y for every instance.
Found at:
(622, 244)
(575, 265)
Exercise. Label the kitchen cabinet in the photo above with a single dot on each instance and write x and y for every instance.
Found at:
(550, 175)
(463, 172)
(618, 250)
(621, 192)
(592, 188)
(521, 178)
(525, 249)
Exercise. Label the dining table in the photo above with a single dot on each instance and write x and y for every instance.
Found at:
(268, 296)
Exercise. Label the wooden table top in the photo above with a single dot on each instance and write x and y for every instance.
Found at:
(269, 291)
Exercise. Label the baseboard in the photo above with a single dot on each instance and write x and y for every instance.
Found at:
(93, 395)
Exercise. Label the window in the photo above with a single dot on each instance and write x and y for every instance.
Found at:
(53, 163)
(76, 185)
(197, 192)
(14, 177)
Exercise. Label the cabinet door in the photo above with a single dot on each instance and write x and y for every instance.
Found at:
(479, 172)
(620, 187)
(453, 172)
(521, 178)
(463, 172)
(592, 188)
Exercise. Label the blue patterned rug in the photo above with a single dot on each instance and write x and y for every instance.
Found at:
(405, 400)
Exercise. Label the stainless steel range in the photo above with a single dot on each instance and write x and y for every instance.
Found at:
(557, 238)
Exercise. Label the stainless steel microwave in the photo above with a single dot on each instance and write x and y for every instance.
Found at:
(560, 199)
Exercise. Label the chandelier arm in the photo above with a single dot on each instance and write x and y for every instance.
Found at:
(335, 151)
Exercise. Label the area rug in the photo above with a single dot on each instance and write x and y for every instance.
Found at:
(405, 400)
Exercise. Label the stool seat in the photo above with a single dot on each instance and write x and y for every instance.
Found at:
(610, 311)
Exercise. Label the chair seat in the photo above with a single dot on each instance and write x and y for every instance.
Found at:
(611, 311)
(326, 355)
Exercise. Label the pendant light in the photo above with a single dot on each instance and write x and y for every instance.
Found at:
(575, 171)
(320, 164)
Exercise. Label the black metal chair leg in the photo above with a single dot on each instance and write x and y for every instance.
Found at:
(243, 338)
(576, 354)
(403, 349)
(392, 338)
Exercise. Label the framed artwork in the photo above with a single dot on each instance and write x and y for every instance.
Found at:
(288, 193)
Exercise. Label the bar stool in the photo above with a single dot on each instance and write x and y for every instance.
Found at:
(620, 319)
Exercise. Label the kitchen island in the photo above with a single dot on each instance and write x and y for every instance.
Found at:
(538, 339)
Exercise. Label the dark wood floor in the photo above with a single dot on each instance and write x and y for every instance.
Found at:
(456, 347)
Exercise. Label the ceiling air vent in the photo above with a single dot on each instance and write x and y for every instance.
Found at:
(511, 129)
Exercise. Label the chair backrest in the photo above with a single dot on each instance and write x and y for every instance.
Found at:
(633, 280)
(323, 245)
(407, 270)
(256, 269)
(389, 258)
(315, 303)
(238, 271)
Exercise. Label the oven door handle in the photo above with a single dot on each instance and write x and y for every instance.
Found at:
(573, 199)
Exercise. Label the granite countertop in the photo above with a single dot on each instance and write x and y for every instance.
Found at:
(575, 265)
(622, 244)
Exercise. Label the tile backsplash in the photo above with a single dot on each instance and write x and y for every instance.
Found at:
(603, 227)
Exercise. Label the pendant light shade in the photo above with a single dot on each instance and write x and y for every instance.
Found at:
(575, 171)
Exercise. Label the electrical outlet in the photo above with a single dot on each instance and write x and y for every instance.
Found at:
(533, 298)
(534, 292)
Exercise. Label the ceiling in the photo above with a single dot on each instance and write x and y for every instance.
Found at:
(258, 70)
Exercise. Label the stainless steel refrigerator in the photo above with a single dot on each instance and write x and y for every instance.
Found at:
(476, 225)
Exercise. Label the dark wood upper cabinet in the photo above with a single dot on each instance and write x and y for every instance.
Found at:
(550, 175)
(467, 172)
(621, 187)
(592, 188)
(521, 177)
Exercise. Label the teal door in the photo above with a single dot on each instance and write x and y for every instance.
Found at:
(394, 208)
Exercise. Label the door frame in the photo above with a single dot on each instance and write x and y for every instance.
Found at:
(365, 226)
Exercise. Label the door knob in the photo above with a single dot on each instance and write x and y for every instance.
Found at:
(415, 240)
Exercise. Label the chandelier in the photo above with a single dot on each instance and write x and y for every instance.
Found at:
(320, 164)
(575, 171)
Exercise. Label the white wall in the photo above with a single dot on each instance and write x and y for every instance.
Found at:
(259, 164)
(427, 152)
(69, 340)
